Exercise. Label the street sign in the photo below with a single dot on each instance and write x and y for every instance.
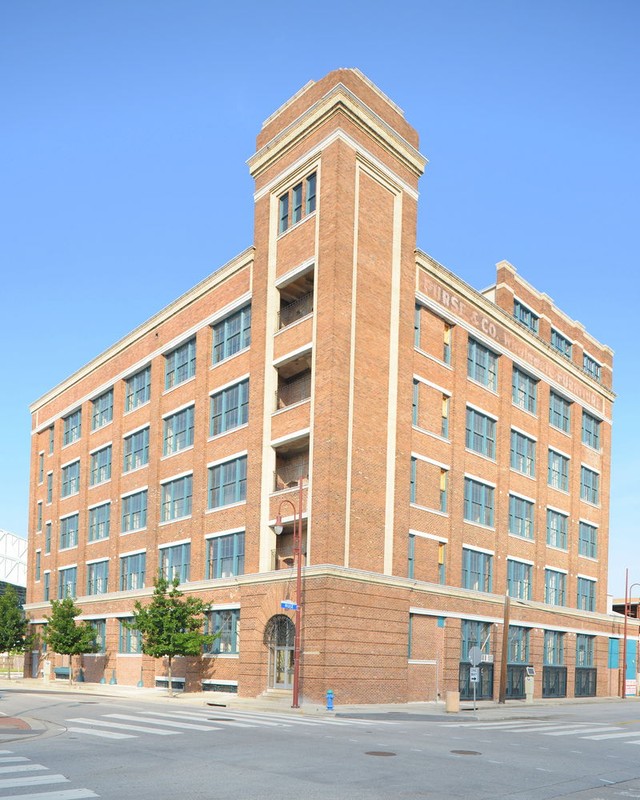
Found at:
(475, 656)
(474, 675)
(288, 604)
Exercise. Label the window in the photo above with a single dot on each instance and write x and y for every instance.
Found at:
(38, 562)
(72, 427)
(558, 473)
(586, 594)
(588, 540)
(134, 511)
(523, 453)
(228, 483)
(478, 502)
(102, 410)
(47, 538)
(49, 487)
(518, 647)
(98, 577)
(100, 634)
(227, 624)
(52, 439)
(561, 343)
(555, 587)
(520, 516)
(482, 365)
(411, 556)
(129, 640)
(591, 366)
(225, 555)
(474, 634)
(232, 334)
(229, 408)
(99, 522)
(136, 450)
(446, 343)
(70, 479)
(293, 201)
(178, 431)
(100, 466)
(180, 364)
(444, 479)
(175, 561)
(176, 498)
(476, 570)
(481, 433)
(525, 316)
(67, 583)
(69, 532)
(132, 569)
(137, 389)
(39, 516)
(553, 648)
(559, 412)
(590, 431)
(525, 390)
(519, 579)
(40, 467)
(557, 525)
(589, 485)
(584, 650)
(47, 585)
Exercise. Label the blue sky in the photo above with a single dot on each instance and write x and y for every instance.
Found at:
(126, 124)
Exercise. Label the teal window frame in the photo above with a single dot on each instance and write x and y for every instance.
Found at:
(138, 389)
(72, 427)
(38, 565)
(311, 193)
(180, 364)
(69, 528)
(135, 450)
(174, 561)
(521, 516)
(232, 334)
(99, 522)
(584, 650)
(67, 582)
(129, 641)
(413, 479)
(176, 500)
(519, 579)
(70, 479)
(586, 594)
(478, 502)
(178, 430)
(557, 529)
(477, 570)
(553, 653)
(225, 624)
(480, 433)
(474, 633)
(283, 212)
(589, 485)
(102, 410)
(39, 516)
(132, 571)
(98, 577)
(46, 590)
(40, 467)
(100, 466)
(523, 453)
(52, 439)
(100, 634)
(591, 430)
(592, 367)
(47, 537)
(134, 511)
(296, 203)
(49, 487)
(518, 645)
(559, 412)
(225, 555)
(558, 471)
(555, 587)
(524, 390)
(587, 539)
(227, 483)
(560, 343)
(411, 555)
(526, 316)
(482, 364)
(229, 408)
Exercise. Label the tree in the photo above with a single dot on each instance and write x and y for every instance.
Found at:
(66, 636)
(13, 625)
(171, 625)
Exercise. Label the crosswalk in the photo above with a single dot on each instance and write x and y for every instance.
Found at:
(583, 730)
(172, 723)
(20, 772)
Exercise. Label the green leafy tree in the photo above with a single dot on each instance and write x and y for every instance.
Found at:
(66, 636)
(171, 624)
(14, 626)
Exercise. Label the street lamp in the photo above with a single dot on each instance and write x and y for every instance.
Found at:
(297, 554)
(627, 589)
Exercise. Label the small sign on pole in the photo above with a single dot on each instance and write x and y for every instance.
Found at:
(289, 604)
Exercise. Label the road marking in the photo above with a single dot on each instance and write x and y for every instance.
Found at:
(580, 731)
(23, 768)
(125, 727)
(625, 735)
(9, 759)
(5, 752)
(103, 734)
(169, 723)
(637, 741)
(64, 794)
(31, 780)
(178, 715)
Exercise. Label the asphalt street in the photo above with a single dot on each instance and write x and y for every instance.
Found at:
(73, 746)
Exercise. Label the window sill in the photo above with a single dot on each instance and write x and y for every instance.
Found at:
(133, 530)
(215, 437)
(221, 655)
(228, 358)
(166, 456)
(169, 389)
(435, 511)
(134, 469)
(101, 427)
(223, 508)
(135, 408)
(296, 224)
(174, 519)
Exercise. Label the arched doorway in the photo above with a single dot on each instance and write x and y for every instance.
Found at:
(279, 636)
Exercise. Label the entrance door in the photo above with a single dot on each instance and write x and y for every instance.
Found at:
(279, 636)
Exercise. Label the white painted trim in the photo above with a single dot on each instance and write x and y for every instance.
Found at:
(217, 390)
(433, 536)
(428, 460)
(177, 477)
(432, 385)
(228, 532)
(477, 549)
(225, 459)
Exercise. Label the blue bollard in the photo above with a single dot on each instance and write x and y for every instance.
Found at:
(329, 700)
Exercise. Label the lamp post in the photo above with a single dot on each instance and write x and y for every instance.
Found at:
(627, 589)
(297, 554)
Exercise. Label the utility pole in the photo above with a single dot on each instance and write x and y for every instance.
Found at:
(504, 657)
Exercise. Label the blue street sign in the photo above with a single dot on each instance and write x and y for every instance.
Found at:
(288, 604)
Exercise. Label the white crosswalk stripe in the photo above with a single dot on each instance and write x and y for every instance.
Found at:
(170, 723)
(12, 759)
(31, 780)
(23, 768)
(625, 735)
(582, 730)
(103, 734)
(22, 782)
(179, 715)
(124, 726)
(64, 794)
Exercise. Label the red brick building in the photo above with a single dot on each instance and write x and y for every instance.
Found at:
(454, 446)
